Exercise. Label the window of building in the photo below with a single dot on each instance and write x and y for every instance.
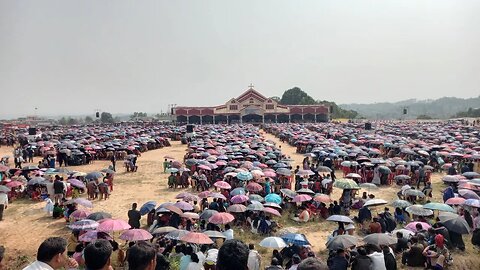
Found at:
(233, 107)
(251, 100)
(269, 107)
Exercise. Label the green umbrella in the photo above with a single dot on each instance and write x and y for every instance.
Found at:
(401, 204)
(439, 206)
(346, 184)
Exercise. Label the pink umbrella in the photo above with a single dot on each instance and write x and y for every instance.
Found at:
(176, 164)
(14, 184)
(204, 194)
(254, 187)
(191, 197)
(90, 236)
(112, 225)
(197, 238)
(221, 218)
(217, 196)
(257, 174)
(80, 214)
(272, 211)
(204, 167)
(221, 163)
(302, 198)
(237, 208)
(222, 185)
(412, 226)
(174, 209)
(322, 198)
(269, 173)
(4, 168)
(136, 235)
(190, 215)
(82, 202)
(182, 195)
(239, 198)
(455, 201)
(184, 206)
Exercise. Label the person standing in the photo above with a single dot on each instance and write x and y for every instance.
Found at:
(134, 217)
(113, 159)
(165, 165)
(421, 177)
(58, 188)
(3, 204)
(254, 258)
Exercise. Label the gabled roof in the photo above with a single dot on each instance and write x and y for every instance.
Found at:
(251, 93)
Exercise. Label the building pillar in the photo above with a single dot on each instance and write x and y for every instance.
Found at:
(315, 118)
(188, 119)
(201, 119)
(276, 118)
(263, 118)
(289, 118)
(228, 119)
(241, 119)
(214, 119)
(303, 121)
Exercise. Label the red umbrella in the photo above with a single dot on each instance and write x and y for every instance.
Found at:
(254, 187)
(112, 225)
(136, 235)
(222, 185)
(455, 201)
(221, 218)
(197, 238)
(302, 198)
(272, 211)
(14, 184)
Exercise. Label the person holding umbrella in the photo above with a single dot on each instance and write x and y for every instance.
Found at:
(134, 217)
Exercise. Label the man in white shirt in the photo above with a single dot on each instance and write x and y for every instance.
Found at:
(201, 255)
(52, 255)
(228, 232)
(254, 258)
(3, 203)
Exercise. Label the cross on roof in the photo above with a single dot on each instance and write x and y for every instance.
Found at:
(251, 85)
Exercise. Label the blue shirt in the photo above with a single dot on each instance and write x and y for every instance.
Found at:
(185, 261)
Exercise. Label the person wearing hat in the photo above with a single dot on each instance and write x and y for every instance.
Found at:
(350, 229)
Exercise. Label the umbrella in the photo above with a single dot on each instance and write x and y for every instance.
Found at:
(14, 184)
(256, 207)
(112, 225)
(256, 197)
(455, 223)
(380, 239)
(191, 197)
(5, 189)
(346, 184)
(204, 194)
(353, 175)
(295, 239)
(284, 171)
(136, 235)
(302, 172)
(163, 230)
(272, 197)
(375, 202)
(221, 218)
(174, 209)
(472, 203)
(254, 187)
(99, 216)
(340, 218)
(93, 175)
(302, 198)
(222, 185)
(147, 207)
(185, 206)
(412, 226)
(244, 176)
(401, 204)
(237, 191)
(239, 199)
(197, 238)
(470, 174)
(176, 235)
(80, 214)
(237, 208)
(402, 177)
(368, 186)
(217, 195)
(36, 181)
(341, 242)
(324, 169)
(273, 242)
(84, 224)
(418, 210)
(439, 207)
(414, 192)
(92, 235)
(306, 191)
(406, 233)
(108, 171)
(272, 211)
(76, 183)
(468, 194)
(4, 168)
(455, 201)
(207, 213)
(288, 192)
(173, 170)
(322, 198)
(30, 168)
(81, 201)
(214, 234)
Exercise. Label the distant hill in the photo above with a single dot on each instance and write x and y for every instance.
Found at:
(441, 108)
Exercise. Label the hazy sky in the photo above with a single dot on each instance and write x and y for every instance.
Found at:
(72, 57)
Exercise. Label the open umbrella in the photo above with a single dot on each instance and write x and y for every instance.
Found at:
(207, 213)
(256, 197)
(346, 184)
(147, 207)
(468, 194)
(322, 198)
(439, 207)
(176, 235)
(256, 207)
(221, 218)
(81, 201)
(254, 187)
(136, 235)
(272, 211)
(288, 192)
(237, 191)
(284, 171)
(455, 223)
(217, 195)
(5, 189)
(401, 204)
(79, 214)
(190, 215)
(244, 176)
(368, 186)
(197, 238)
(472, 203)
(93, 175)
(76, 183)
(273, 242)
(239, 199)
(302, 198)
(375, 202)
(112, 225)
(418, 210)
(295, 239)
(222, 185)
(414, 192)
(174, 209)
(237, 208)
(214, 234)
(406, 233)
(455, 201)
(340, 218)
(324, 169)
(341, 242)
(272, 197)
(99, 216)
(412, 226)
(163, 230)
(84, 224)
(93, 235)
(380, 239)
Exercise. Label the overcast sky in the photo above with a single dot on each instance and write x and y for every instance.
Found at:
(73, 57)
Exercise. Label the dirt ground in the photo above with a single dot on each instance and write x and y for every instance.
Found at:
(25, 224)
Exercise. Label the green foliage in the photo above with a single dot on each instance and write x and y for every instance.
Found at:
(297, 96)
(275, 98)
(68, 121)
(138, 115)
(88, 119)
(424, 117)
(469, 113)
(106, 117)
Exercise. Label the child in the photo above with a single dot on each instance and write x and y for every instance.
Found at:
(49, 206)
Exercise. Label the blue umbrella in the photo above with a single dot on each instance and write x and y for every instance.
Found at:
(237, 191)
(147, 207)
(272, 197)
(93, 175)
(172, 170)
(295, 238)
(244, 176)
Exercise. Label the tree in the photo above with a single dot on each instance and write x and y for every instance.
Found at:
(138, 115)
(72, 121)
(62, 121)
(296, 96)
(275, 98)
(106, 117)
(88, 119)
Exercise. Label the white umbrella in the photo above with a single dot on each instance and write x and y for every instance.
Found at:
(273, 242)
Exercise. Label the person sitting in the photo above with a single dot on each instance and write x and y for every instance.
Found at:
(361, 261)
(274, 265)
(304, 215)
(437, 255)
(413, 257)
(402, 243)
(375, 226)
(339, 262)
(399, 215)
(389, 258)
(312, 263)
(364, 214)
